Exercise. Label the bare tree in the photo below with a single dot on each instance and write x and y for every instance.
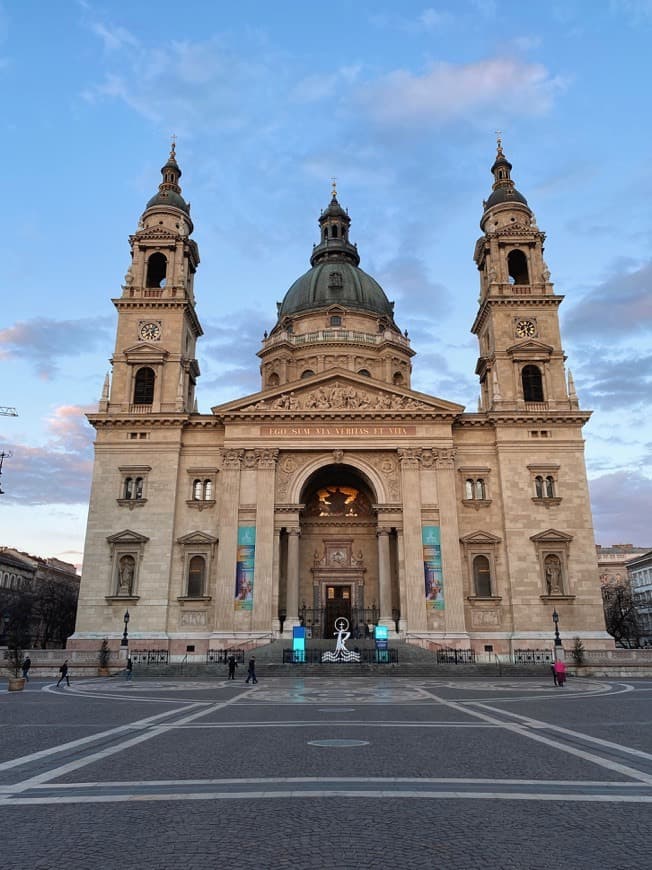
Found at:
(620, 615)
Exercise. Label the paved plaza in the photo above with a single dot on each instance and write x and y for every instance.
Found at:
(326, 773)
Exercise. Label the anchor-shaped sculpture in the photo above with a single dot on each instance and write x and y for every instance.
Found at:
(341, 654)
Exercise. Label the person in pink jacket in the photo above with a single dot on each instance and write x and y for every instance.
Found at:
(560, 672)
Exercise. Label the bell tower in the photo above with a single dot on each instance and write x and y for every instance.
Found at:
(521, 361)
(154, 365)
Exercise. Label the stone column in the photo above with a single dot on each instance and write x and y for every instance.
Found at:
(266, 468)
(229, 482)
(384, 578)
(276, 570)
(402, 624)
(450, 547)
(415, 604)
(292, 591)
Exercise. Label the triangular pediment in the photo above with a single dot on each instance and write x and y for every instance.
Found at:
(551, 536)
(480, 537)
(197, 538)
(530, 347)
(127, 537)
(337, 391)
(146, 351)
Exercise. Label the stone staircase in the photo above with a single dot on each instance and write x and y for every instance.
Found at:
(413, 661)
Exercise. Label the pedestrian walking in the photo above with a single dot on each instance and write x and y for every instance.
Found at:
(560, 672)
(63, 670)
(129, 669)
(554, 674)
(232, 666)
(27, 664)
(251, 671)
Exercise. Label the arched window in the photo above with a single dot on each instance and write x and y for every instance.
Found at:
(156, 270)
(273, 380)
(365, 372)
(334, 232)
(538, 486)
(196, 490)
(144, 386)
(129, 487)
(307, 373)
(196, 569)
(468, 488)
(208, 490)
(138, 487)
(482, 577)
(480, 491)
(550, 486)
(397, 379)
(517, 267)
(532, 384)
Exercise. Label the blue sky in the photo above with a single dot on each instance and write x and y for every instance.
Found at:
(399, 102)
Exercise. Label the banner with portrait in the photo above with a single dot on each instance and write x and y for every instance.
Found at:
(244, 568)
(434, 581)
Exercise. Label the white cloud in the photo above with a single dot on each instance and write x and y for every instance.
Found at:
(445, 92)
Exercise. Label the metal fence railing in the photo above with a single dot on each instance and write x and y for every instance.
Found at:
(314, 657)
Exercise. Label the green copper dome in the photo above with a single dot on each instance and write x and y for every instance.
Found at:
(335, 277)
(336, 282)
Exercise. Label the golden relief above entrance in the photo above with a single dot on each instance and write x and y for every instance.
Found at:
(338, 501)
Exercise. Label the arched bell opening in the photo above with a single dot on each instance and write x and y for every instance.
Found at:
(343, 567)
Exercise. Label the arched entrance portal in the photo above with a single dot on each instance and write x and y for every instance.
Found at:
(339, 552)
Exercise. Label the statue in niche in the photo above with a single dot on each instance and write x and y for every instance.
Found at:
(553, 576)
(126, 575)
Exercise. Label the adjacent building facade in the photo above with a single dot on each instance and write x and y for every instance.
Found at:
(337, 489)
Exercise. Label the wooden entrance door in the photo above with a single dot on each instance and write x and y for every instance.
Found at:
(338, 603)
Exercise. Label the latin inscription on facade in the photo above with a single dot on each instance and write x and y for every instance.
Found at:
(347, 431)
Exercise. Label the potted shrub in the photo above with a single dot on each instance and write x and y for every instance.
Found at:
(103, 657)
(578, 651)
(14, 666)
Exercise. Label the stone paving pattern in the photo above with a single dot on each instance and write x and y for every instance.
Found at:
(603, 819)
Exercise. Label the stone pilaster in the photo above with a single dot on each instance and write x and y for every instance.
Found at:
(265, 471)
(228, 546)
(450, 544)
(412, 546)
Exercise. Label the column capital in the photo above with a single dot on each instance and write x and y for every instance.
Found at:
(294, 532)
(409, 457)
(382, 530)
(445, 458)
(231, 458)
(266, 457)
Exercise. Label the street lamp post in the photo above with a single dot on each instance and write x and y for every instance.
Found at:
(125, 635)
(559, 650)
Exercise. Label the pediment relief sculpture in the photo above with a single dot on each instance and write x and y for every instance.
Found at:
(338, 398)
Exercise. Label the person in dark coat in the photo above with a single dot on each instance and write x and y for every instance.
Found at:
(27, 664)
(251, 671)
(232, 666)
(63, 670)
(129, 669)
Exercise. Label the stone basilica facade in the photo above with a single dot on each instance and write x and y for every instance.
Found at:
(338, 489)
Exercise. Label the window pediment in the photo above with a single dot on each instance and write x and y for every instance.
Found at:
(530, 349)
(194, 539)
(480, 538)
(143, 352)
(127, 537)
(551, 536)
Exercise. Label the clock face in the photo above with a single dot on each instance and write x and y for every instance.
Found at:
(150, 331)
(526, 329)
